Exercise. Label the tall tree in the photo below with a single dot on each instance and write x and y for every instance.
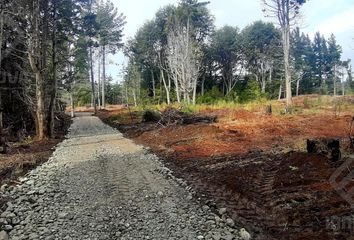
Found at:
(37, 55)
(334, 56)
(226, 52)
(110, 33)
(301, 52)
(183, 62)
(261, 47)
(286, 12)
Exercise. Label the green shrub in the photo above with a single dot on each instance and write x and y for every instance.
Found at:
(211, 96)
(251, 92)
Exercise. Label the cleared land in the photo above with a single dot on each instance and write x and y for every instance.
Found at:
(255, 164)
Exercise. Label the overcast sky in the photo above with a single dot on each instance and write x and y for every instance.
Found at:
(326, 16)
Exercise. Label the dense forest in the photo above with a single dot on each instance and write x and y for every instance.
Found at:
(49, 49)
(180, 56)
(54, 54)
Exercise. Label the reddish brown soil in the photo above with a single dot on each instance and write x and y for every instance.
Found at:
(256, 166)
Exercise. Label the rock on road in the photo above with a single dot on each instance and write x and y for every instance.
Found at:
(100, 185)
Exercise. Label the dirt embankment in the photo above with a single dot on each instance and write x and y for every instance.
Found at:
(255, 165)
(22, 157)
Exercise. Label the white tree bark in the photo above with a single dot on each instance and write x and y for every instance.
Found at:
(183, 62)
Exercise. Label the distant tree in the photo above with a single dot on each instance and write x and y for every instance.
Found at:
(110, 33)
(286, 12)
(301, 52)
(184, 62)
(225, 51)
(333, 61)
(261, 43)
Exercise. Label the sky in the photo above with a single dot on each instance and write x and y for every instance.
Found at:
(326, 16)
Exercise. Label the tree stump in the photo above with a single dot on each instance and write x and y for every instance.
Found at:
(328, 147)
(268, 110)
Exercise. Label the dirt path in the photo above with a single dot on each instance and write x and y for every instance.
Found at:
(100, 185)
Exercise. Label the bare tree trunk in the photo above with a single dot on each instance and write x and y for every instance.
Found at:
(286, 49)
(72, 104)
(153, 84)
(280, 91)
(203, 81)
(177, 91)
(126, 95)
(53, 95)
(271, 74)
(93, 95)
(3, 140)
(167, 89)
(40, 109)
(195, 91)
(263, 84)
(99, 80)
(37, 59)
(134, 98)
(297, 87)
(263, 78)
(343, 84)
(334, 81)
(104, 76)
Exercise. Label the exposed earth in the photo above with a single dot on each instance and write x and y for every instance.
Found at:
(100, 185)
(256, 166)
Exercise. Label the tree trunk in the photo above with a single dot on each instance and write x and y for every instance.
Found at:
(263, 77)
(93, 95)
(53, 95)
(40, 109)
(203, 81)
(280, 91)
(195, 91)
(99, 81)
(134, 98)
(263, 84)
(167, 89)
(37, 59)
(72, 105)
(177, 91)
(286, 49)
(104, 76)
(297, 87)
(334, 81)
(3, 140)
(153, 84)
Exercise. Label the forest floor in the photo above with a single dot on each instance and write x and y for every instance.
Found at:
(26, 155)
(256, 165)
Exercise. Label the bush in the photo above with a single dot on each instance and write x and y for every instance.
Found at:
(211, 96)
(251, 92)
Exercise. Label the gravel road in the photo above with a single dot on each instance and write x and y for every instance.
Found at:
(100, 185)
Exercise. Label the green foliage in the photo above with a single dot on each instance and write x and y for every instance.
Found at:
(250, 92)
(190, 108)
(109, 26)
(83, 95)
(211, 96)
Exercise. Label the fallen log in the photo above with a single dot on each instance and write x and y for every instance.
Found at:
(199, 119)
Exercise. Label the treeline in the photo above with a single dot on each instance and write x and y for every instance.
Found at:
(180, 56)
(49, 50)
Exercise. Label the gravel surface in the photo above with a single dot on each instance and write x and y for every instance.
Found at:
(100, 185)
